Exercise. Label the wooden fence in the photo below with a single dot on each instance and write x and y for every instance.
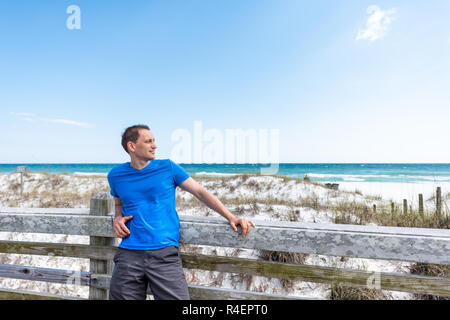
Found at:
(373, 242)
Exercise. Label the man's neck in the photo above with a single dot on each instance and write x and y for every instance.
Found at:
(139, 164)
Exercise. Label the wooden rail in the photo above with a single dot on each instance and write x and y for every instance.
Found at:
(389, 243)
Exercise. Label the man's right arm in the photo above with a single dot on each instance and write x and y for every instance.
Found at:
(120, 229)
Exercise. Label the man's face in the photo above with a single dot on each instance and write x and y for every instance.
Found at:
(145, 146)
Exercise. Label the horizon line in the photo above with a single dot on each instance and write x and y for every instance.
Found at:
(220, 163)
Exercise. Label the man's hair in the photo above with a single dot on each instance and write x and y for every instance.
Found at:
(132, 134)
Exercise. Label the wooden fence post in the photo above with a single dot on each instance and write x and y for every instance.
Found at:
(405, 206)
(21, 169)
(420, 204)
(438, 203)
(102, 204)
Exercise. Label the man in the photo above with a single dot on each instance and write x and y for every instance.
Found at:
(148, 223)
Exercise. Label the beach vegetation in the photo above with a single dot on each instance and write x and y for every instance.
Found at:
(14, 187)
(54, 190)
(346, 207)
(284, 257)
(50, 190)
(431, 270)
(340, 292)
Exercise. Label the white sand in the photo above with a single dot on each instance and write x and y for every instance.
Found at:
(397, 191)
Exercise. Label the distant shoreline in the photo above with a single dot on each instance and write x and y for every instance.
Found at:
(323, 172)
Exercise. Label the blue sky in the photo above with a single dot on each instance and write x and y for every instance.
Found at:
(342, 81)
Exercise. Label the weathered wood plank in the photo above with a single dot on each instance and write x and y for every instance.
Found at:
(213, 293)
(58, 249)
(57, 224)
(10, 294)
(81, 278)
(423, 232)
(403, 244)
(390, 243)
(310, 273)
(207, 293)
(67, 211)
(101, 281)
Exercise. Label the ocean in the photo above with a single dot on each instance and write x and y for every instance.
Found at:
(320, 172)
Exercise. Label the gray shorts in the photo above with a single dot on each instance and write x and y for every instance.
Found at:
(160, 270)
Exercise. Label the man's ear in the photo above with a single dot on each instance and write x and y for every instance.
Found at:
(130, 146)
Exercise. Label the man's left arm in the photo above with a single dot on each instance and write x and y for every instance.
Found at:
(193, 187)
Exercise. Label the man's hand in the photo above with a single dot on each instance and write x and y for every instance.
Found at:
(244, 223)
(193, 187)
(120, 230)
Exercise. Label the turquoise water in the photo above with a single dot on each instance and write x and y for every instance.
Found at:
(321, 172)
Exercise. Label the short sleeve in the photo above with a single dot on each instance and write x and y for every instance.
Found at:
(178, 173)
(111, 186)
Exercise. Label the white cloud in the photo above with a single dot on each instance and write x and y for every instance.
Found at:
(377, 23)
(70, 122)
(25, 114)
(31, 117)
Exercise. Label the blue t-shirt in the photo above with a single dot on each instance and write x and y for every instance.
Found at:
(149, 196)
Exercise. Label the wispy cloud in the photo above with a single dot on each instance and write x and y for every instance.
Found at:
(70, 122)
(377, 23)
(24, 116)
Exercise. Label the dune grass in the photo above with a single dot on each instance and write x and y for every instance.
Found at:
(345, 211)
(53, 191)
(431, 270)
(339, 292)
